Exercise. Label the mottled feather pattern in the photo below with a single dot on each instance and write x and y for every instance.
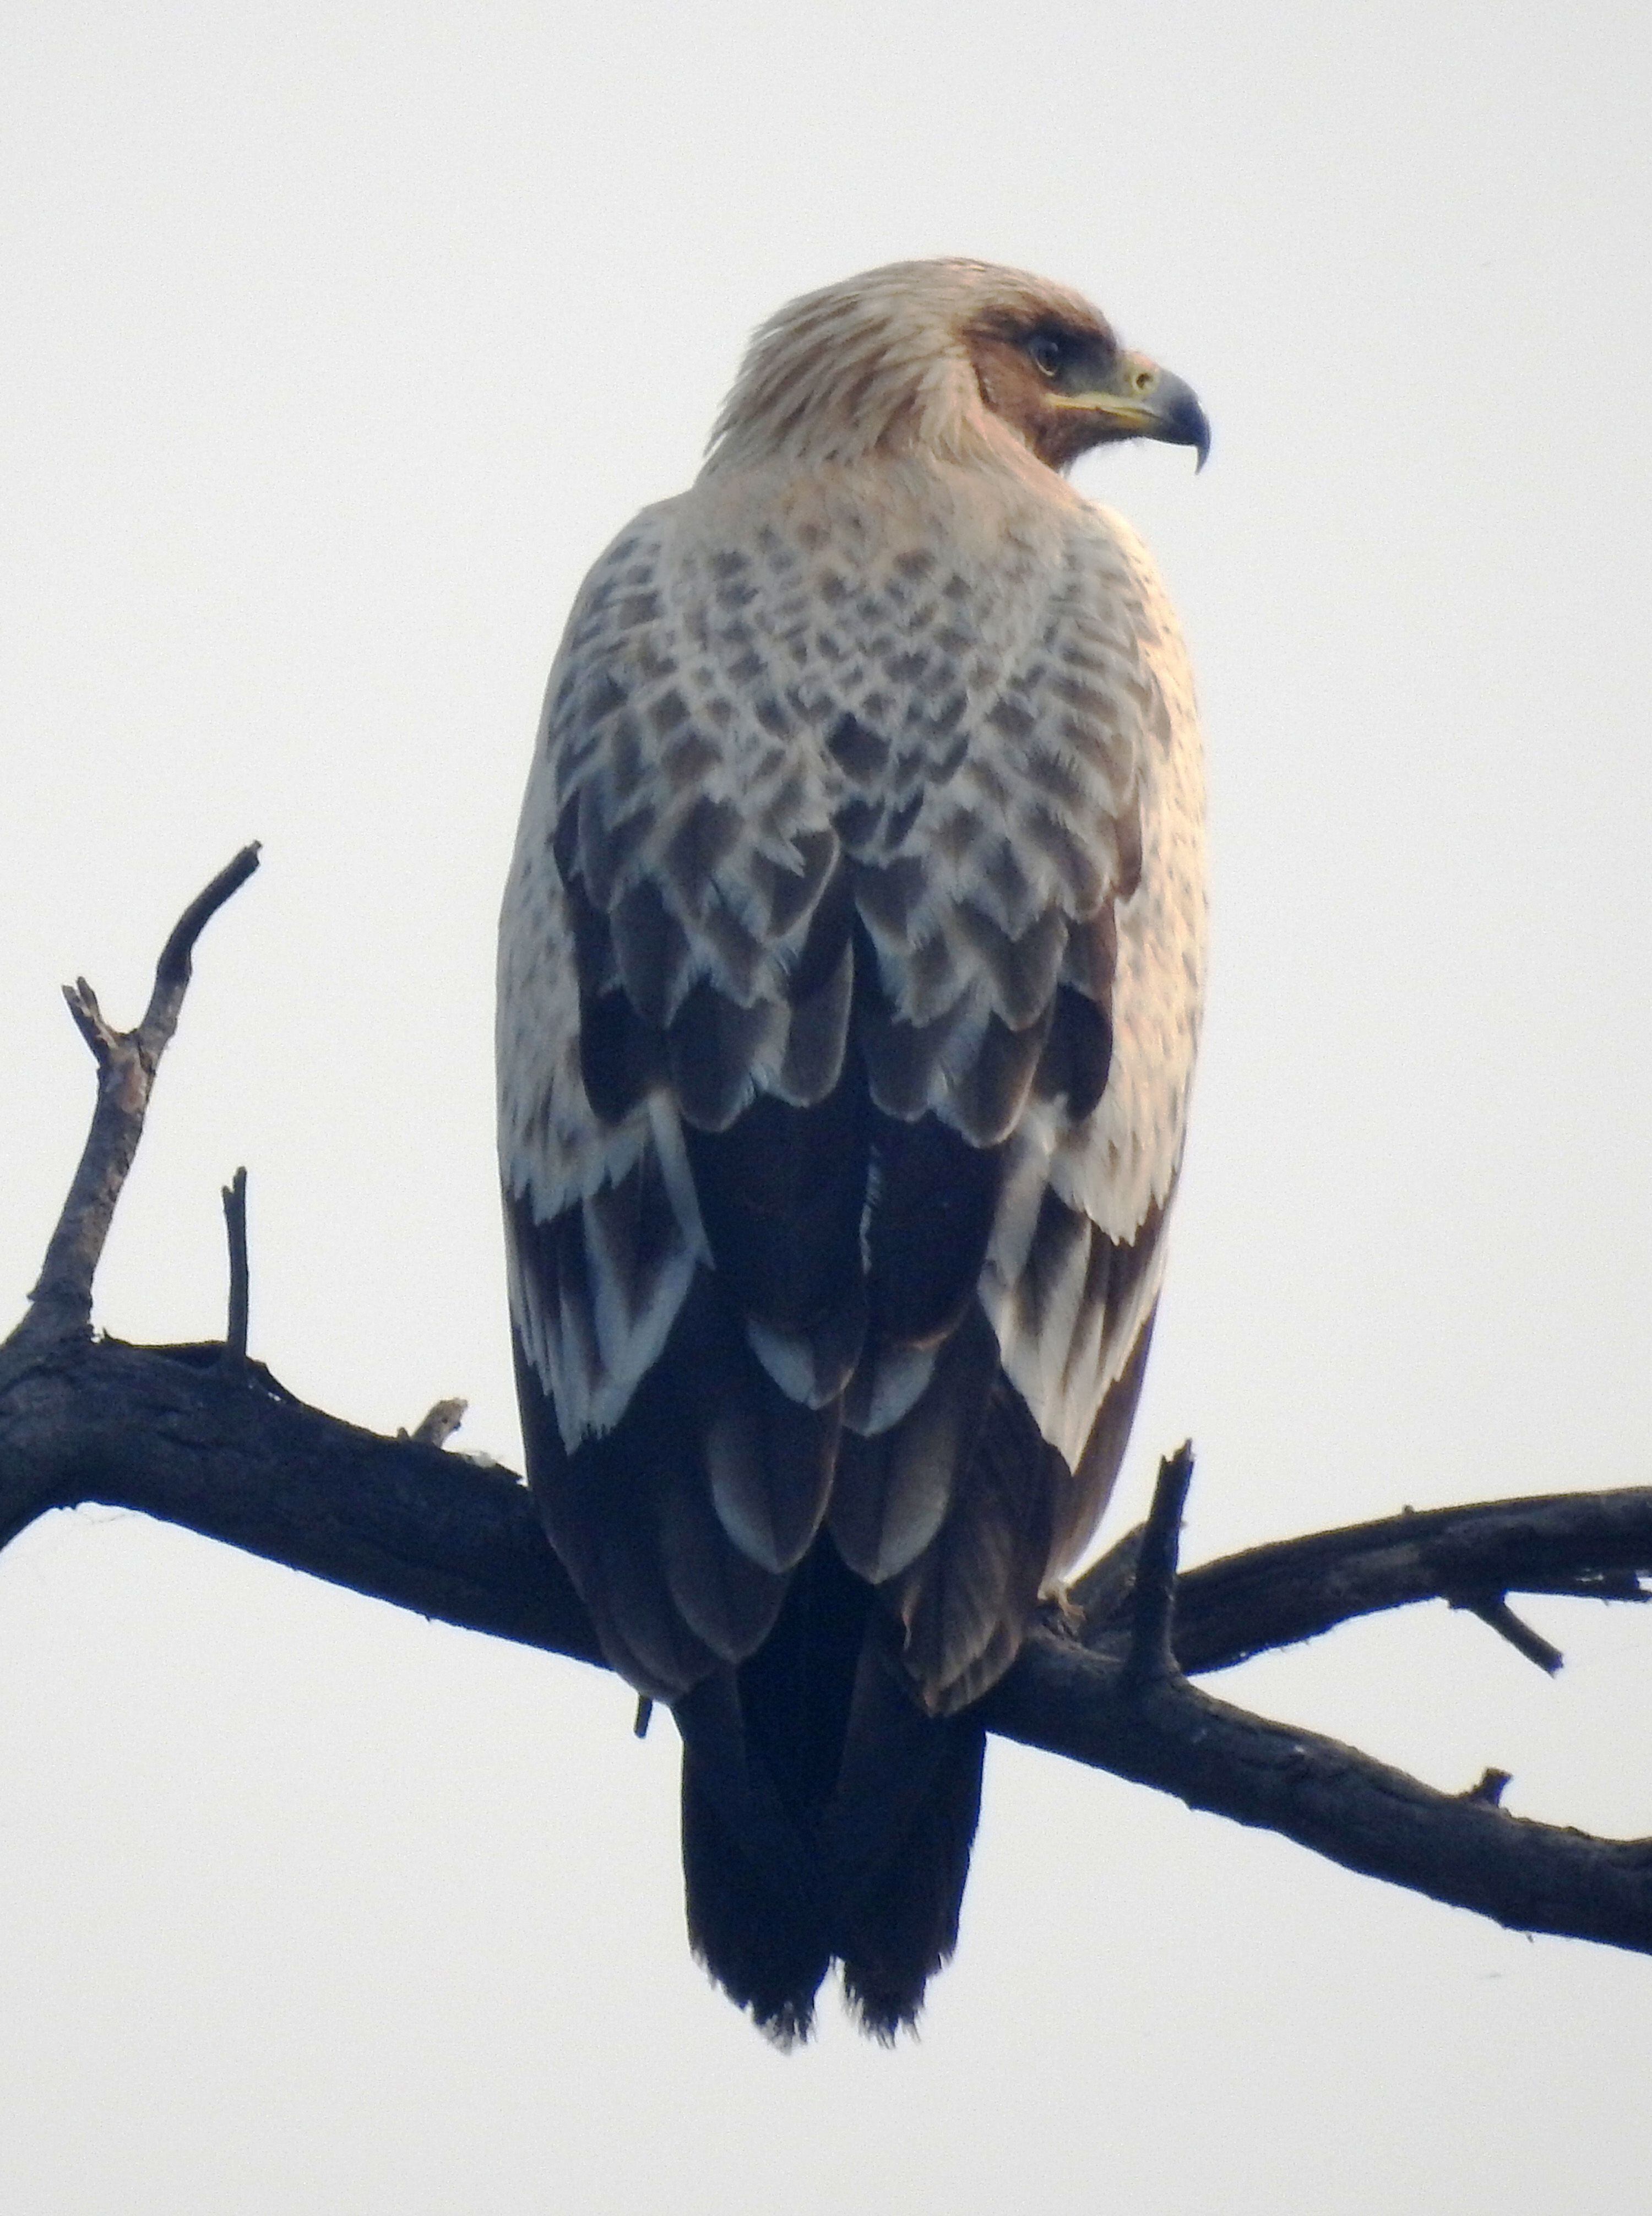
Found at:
(731, 727)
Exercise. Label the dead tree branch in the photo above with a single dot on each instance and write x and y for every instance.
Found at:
(1583, 1546)
(1150, 1656)
(219, 1447)
(235, 1226)
(61, 1302)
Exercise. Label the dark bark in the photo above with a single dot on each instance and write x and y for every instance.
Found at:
(226, 1452)
(1584, 1546)
(203, 1438)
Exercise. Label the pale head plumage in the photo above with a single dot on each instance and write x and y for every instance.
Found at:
(958, 358)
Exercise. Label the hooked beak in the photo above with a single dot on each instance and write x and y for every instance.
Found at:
(1138, 400)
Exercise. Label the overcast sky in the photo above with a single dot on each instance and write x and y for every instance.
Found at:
(337, 341)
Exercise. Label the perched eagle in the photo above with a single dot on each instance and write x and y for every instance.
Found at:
(850, 977)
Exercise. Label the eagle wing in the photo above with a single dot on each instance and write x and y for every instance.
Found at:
(850, 973)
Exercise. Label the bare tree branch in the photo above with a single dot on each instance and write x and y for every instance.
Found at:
(1584, 1546)
(1356, 1811)
(1496, 1613)
(219, 1447)
(1150, 1657)
(235, 1226)
(169, 1433)
(61, 1302)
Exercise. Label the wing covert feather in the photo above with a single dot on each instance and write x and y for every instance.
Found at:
(849, 983)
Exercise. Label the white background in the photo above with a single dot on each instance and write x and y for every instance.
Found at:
(336, 341)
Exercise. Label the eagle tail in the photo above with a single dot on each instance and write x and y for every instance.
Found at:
(902, 1925)
(824, 1817)
(758, 1928)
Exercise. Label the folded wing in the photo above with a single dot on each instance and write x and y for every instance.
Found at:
(849, 979)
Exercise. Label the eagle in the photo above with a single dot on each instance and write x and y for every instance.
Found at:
(850, 974)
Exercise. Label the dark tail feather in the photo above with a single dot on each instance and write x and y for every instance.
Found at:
(824, 1817)
(902, 1926)
(760, 1933)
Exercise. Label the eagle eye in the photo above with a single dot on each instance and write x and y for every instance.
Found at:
(1047, 352)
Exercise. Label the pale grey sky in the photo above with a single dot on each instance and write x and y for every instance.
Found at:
(338, 340)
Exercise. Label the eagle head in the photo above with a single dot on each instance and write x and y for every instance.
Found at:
(943, 356)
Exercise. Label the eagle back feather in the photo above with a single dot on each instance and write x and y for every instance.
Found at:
(850, 977)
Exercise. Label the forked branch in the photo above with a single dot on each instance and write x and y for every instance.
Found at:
(61, 1303)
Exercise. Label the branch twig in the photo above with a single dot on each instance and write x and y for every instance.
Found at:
(439, 1423)
(1491, 1786)
(235, 1225)
(60, 1305)
(1493, 1610)
(1150, 1657)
